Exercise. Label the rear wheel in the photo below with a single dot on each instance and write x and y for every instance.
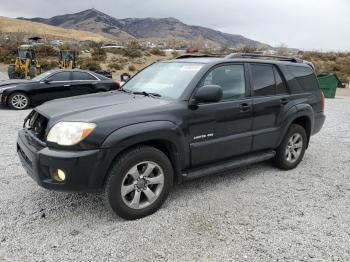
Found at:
(291, 151)
(139, 182)
(19, 101)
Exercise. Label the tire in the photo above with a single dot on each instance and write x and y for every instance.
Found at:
(19, 101)
(11, 71)
(131, 178)
(32, 71)
(291, 152)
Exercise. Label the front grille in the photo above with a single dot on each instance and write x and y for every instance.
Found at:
(24, 156)
(37, 124)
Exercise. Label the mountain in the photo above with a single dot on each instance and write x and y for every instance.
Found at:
(90, 20)
(95, 21)
(10, 25)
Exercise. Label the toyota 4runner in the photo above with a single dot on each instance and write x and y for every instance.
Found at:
(173, 121)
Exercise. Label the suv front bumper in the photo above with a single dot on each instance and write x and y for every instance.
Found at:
(85, 170)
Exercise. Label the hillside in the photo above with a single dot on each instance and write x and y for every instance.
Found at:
(11, 25)
(93, 20)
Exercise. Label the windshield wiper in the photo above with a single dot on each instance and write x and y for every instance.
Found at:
(124, 90)
(146, 94)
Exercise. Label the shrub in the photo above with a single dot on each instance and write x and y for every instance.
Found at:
(132, 68)
(8, 53)
(48, 64)
(89, 64)
(98, 54)
(45, 51)
(156, 51)
(133, 50)
(115, 66)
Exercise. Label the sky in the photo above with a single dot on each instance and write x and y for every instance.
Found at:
(321, 25)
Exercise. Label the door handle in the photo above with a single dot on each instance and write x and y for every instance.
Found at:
(244, 107)
(284, 101)
(66, 85)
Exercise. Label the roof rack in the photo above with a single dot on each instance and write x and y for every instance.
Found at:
(252, 55)
(194, 56)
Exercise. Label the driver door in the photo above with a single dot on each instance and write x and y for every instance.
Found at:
(222, 130)
(57, 85)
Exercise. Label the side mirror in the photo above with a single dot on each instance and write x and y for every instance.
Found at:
(47, 81)
(208, 94)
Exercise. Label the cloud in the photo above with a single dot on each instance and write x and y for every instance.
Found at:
(305, 24)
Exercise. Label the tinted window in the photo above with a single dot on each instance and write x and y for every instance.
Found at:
(62, 76)
(230, 78)
(82, 76)
(281, 87)
(263, 80)
(305, 77)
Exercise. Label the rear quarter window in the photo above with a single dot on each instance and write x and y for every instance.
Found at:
(305, 77)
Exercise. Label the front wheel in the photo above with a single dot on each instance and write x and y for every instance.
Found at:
(19, 101)
(139, 182)
(291, 151)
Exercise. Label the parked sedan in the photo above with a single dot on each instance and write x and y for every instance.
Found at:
(21, 94)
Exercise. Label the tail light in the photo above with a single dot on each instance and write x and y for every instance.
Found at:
(117, 84)
(322, 101)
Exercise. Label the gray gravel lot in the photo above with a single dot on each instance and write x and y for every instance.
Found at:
(256, 213)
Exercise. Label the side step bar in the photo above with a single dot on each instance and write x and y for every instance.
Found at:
(228, 165)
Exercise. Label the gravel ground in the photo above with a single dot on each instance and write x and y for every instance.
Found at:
(256, 213)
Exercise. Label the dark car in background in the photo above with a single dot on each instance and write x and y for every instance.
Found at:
(54, 84)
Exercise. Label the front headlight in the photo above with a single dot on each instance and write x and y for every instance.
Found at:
(69, 133)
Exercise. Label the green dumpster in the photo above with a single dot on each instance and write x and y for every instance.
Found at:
(328, 84)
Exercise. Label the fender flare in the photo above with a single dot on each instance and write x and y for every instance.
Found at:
(166, 131)
(301, 110)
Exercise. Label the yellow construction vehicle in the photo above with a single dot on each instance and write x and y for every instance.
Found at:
(66, 59)
(26, 64)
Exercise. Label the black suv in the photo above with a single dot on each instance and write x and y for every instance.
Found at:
(173, 121)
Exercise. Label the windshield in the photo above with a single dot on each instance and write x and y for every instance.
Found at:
(42, 76)
(166, 79)
(25, 54)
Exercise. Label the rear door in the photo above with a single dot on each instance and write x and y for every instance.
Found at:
(83, 83)
(222, 130)
(270, 101)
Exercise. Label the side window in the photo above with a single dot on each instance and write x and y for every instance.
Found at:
(281, 87)
(230, 78)
(263, 80)
(82, 76)
(305, 76)
(62, 76)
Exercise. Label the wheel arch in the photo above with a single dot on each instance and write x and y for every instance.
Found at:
(303, 116)
(18, 91)
(163, 135)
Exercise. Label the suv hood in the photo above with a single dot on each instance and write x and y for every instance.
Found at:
(100, 107)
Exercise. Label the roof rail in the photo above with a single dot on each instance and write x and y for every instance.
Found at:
(252, 55)
(194, 56)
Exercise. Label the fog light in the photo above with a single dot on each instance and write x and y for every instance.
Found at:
(59, 175)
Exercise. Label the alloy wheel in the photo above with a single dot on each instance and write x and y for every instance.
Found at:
(294, 148)
(142, 185)
(19, 101)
